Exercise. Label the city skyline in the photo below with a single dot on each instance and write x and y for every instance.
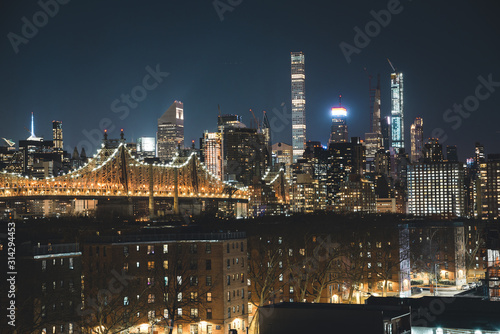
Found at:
(49, 76)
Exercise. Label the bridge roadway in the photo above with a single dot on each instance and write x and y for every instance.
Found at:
(115, 173)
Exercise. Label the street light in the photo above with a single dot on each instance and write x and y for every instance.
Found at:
(433, 259)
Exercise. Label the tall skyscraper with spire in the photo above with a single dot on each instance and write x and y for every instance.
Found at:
(417, 140)
(397, 112)
(298, 105)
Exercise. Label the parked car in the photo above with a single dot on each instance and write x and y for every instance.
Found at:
(472, 285)
(415, 290)
(464, 287)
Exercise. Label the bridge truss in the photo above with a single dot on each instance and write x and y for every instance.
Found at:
(116, 173)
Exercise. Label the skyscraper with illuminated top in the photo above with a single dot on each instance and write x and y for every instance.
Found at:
(397, 113)
(298, 105)
(339, 125)
(170, 135)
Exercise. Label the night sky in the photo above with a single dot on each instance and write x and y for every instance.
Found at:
(91, 52)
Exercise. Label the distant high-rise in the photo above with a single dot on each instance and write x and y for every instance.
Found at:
(338, 132)
(212, 153)
(417, 139)
(397, 113)
(479, 156)
(451, 153)
(298, 105)
(146, 147)
(282, 155)
(374, 139)
(244, 154)
(490, 188)
(385, 127)
(266, 131)
(433, 151)
(170, 133)
(57, 135)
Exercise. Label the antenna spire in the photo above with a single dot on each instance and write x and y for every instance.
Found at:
(32, 126)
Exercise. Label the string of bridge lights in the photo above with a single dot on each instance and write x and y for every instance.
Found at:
(173, 164)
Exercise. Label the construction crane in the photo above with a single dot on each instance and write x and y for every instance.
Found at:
(9, 142)
(391, 65)
(255, 118)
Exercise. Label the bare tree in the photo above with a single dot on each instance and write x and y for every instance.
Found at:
(301, 266)
(354, 262)
(178, 287)
(388, 255)
(327, 255)
(265, 272)
(115, 306)
(474, 242)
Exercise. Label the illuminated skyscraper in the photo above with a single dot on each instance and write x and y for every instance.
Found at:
(146, 147)
(339, 126)
(490, 188)
(212, 153)
(397, 113)
(170, 133)
(417, 139)
(57, 135)
(479, 156)
(282, 154)
(298, 105)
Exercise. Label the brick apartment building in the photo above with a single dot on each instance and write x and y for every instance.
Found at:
(190, 283)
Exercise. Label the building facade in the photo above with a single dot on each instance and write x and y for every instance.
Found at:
(298, 104)
(283, 155)
(490, 188)
(57, 135)
(212, 153)
(338, 133)
(195, 283)
(436, 189)
(417, 140)
(170, 135)
(397, 112)
(146, 147)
